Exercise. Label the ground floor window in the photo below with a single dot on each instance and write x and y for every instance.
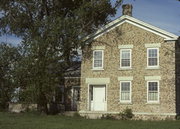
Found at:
(76, 93)
(60, 94)
(153, 91)
(125, 91)
(91, 92)
(75, 97)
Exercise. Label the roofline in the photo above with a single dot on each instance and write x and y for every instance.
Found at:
(136, 22)
(75, 77)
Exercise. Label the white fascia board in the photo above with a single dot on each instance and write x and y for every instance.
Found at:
(106, 31)
(136, 22)
(106, 28)
(97, 80)
(171, 39)
(153, 28)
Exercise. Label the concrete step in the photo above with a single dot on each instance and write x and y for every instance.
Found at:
(69, 113)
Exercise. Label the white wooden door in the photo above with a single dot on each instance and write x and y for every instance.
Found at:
(99, 98)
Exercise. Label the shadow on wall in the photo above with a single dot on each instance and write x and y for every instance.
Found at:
(177, 60)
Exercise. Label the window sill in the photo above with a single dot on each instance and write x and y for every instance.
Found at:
(152, 68)
(100, 69)
(153, 103)
(125, 68)
(125, 103)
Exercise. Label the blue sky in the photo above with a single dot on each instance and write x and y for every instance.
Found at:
(164, 14)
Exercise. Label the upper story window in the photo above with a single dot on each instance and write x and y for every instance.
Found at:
(98, 59)
(152, 57)
(125, 91)
(125, 58)
(153, 91)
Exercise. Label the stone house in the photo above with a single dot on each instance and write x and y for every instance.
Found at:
(130, 64)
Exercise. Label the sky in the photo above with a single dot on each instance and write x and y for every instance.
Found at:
(164, 14)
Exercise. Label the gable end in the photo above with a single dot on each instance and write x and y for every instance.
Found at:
(128, 19)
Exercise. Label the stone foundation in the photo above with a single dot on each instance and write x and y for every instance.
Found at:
(17, 107)
(137, 116)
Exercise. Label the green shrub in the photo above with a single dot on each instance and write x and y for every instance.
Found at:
(126, 114)
(177, 117)
(76, 114)
(108, 117)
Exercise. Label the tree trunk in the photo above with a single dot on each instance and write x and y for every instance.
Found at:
(42, 104)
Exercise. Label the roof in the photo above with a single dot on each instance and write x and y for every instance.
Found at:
(131, 20)
(74, 70)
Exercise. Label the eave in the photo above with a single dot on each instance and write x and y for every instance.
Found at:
(131, 20)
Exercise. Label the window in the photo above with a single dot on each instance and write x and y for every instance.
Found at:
(125, 58)
(152, 57)
(98, 59)
(91, 92)
(125, 91)
(153, 91)
(76, 93)
(60, 94)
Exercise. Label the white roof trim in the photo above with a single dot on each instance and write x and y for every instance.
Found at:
(131, 20)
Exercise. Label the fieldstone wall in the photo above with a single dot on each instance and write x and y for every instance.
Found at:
(128, 34)
(17, 107)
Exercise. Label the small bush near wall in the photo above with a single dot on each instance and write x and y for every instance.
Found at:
(109, 117)
(76, 114)
(178, 117)
(126, 114)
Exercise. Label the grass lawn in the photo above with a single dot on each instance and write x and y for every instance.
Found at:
(34, 121)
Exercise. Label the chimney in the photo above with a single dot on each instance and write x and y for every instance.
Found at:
(127, 9)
